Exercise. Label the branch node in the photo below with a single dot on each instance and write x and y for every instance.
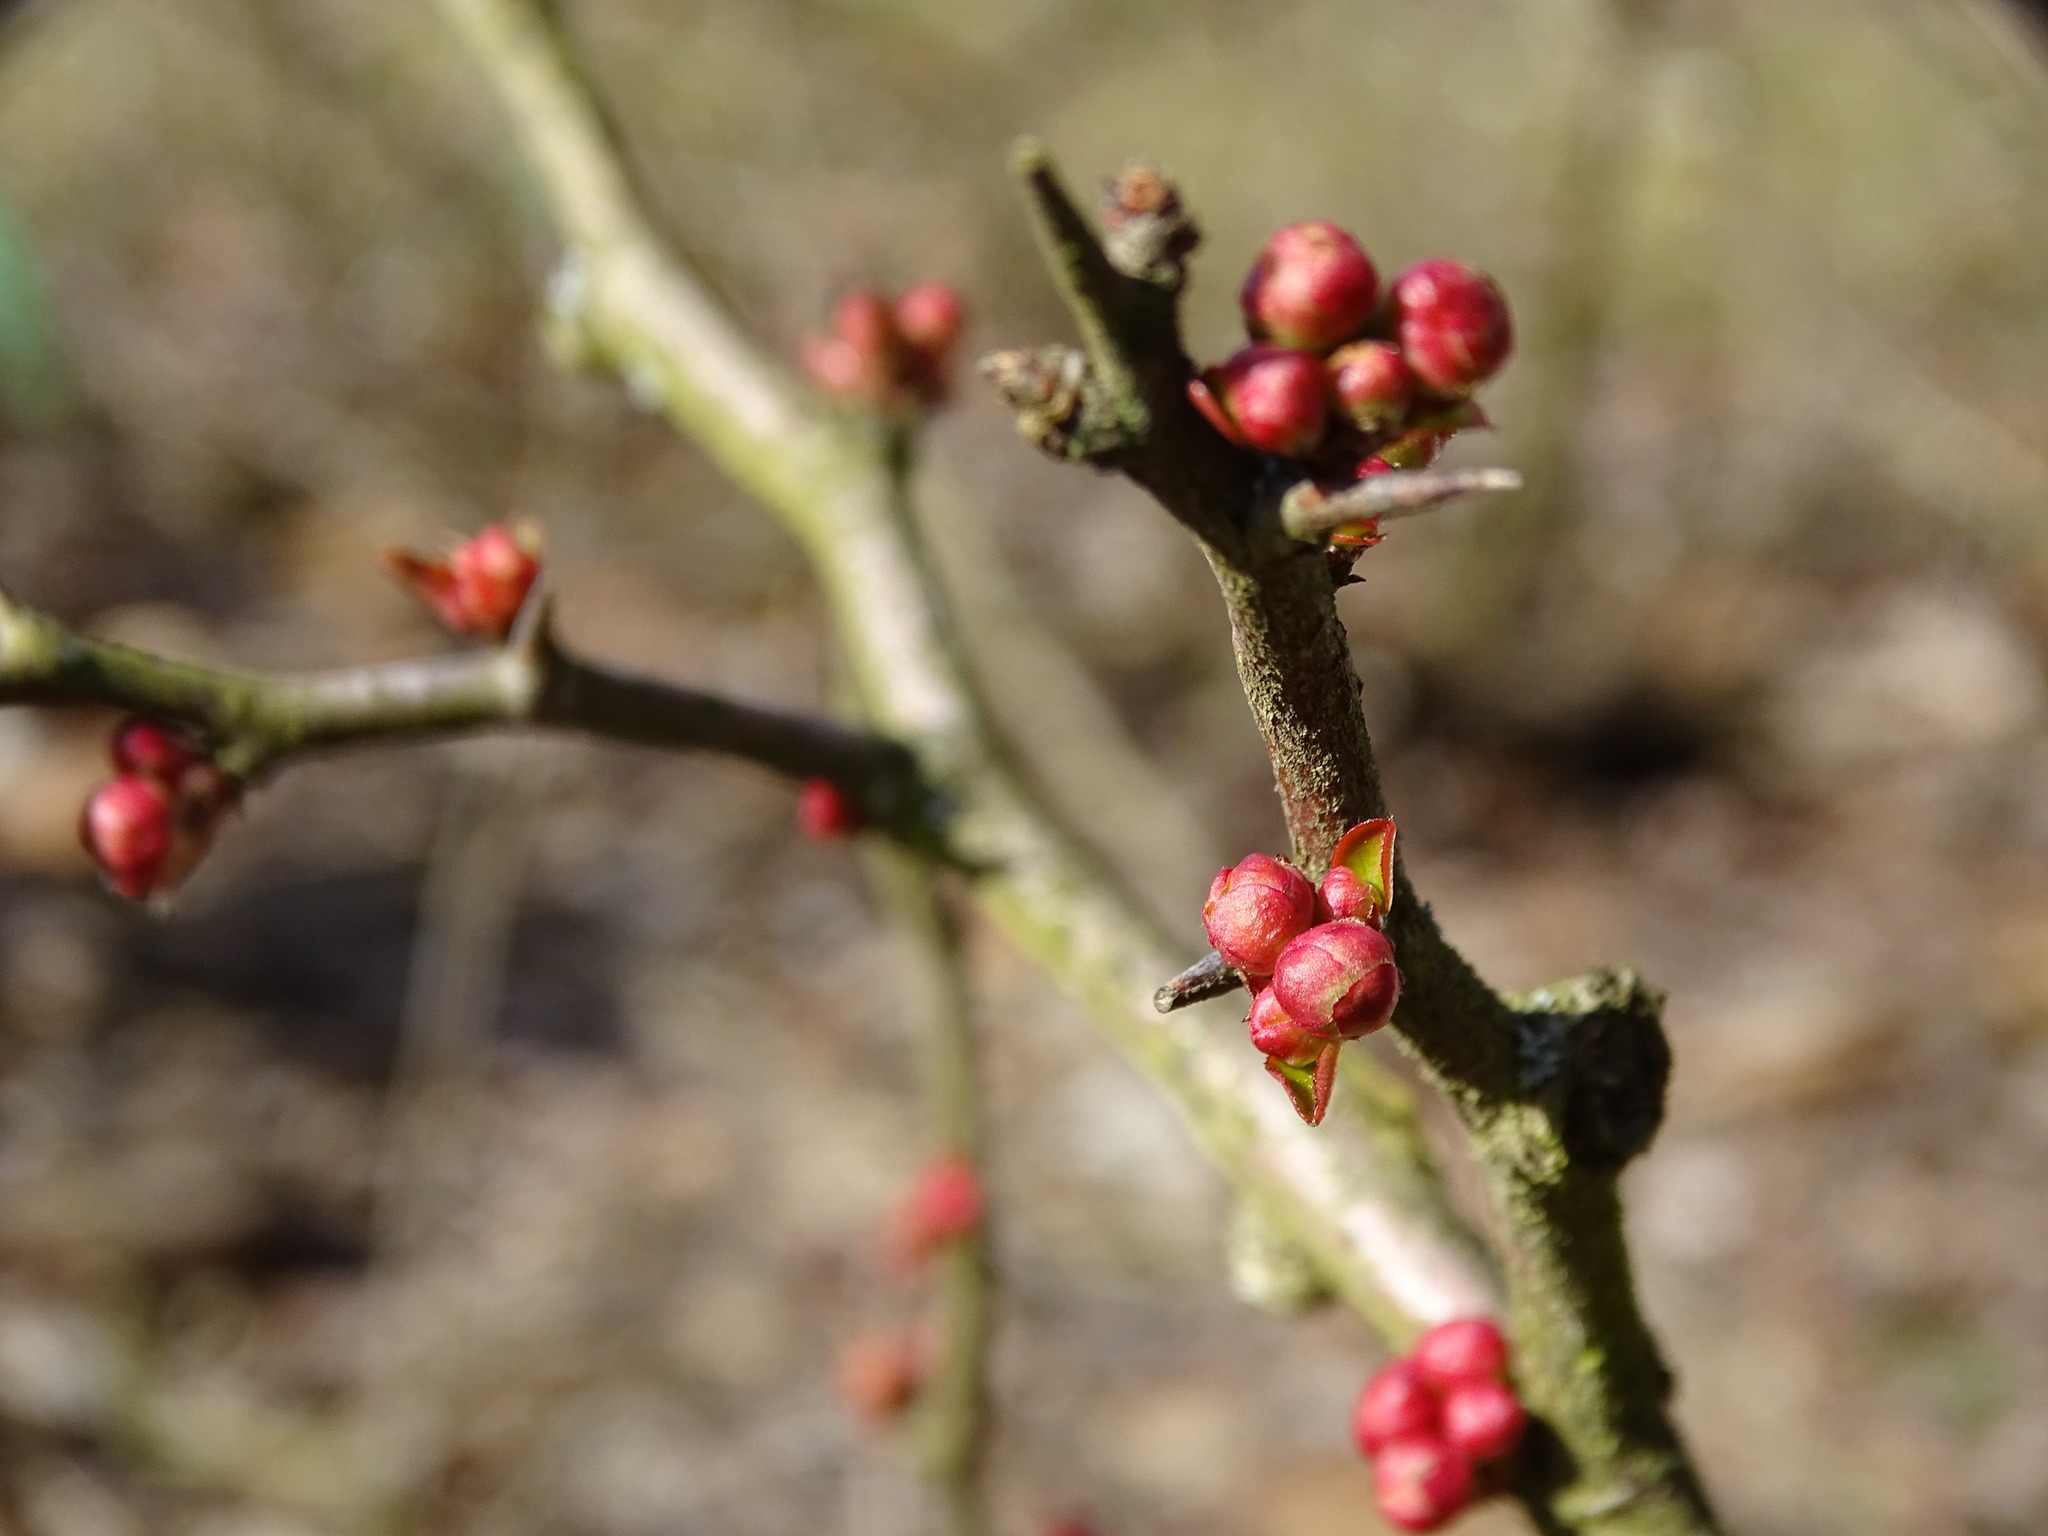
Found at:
(1593, 1052)
(1061, 409)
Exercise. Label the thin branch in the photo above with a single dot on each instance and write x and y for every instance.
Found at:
(950, 1431)
(255, 721)
(1388, 1251)
(1311, 516)
(1209, 977)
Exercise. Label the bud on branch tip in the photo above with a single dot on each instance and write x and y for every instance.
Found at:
(481, 585)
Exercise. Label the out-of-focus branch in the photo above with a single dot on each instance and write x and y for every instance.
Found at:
(1557, 1090)
(950, 1428)
(828, 479)
(254, 721)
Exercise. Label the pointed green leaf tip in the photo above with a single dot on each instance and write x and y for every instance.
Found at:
(1366, 853)
(1308, 1086)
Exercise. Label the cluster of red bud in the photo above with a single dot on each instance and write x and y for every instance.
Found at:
(480, 585)
(896, 358)
(148, 826)
(1318, 966)
(1439, 1424)
(1349, 379)
(881, 1371)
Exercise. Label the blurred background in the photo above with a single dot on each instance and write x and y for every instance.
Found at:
(493, 1138)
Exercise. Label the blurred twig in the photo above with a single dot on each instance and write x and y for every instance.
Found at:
(453, 990)
(950, 1432)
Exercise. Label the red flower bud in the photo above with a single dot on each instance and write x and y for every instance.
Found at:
(1276, 401)
(1343, 894)
(1276, 1035)
(1419, 1482)
(861, 319)
(155, 750)
(1338, 978)
(883, 356)
(1360, 880)
(1454, 325)
(835, 366)
(129, 828)
(1483, 1419)
(1310, 288)
(481, 586)
(493, 573)
(824, 811)
(1255, 909)
(1372, 384)
(1464, 1350)
(1395, 1403)
(943, 1206)
(929, 317)
(879, 1373)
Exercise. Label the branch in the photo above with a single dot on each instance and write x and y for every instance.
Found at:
(1396, 1255)
(951, 1428)
(256, 721)
(1311, 516)
(1209, 977)
(1557, 1090)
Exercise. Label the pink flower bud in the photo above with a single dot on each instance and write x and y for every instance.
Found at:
(943, 1206)
(493, 574)
(825, 812)
(1311, 287)
(1397, 1402)
(1278, 401)
(1419, 1482)
(1454, 325)
(1276, 1035)
(1372, 384)
(861, 319)
(929, 317)
(835, 367)
(1360, 880)
(1484, 1419)
(1338, 978)
(879, 1373)
(1255, 909)
(480, 588)
(155, 750)
(1463, 1350)
(1343, 894)
(129, 827)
